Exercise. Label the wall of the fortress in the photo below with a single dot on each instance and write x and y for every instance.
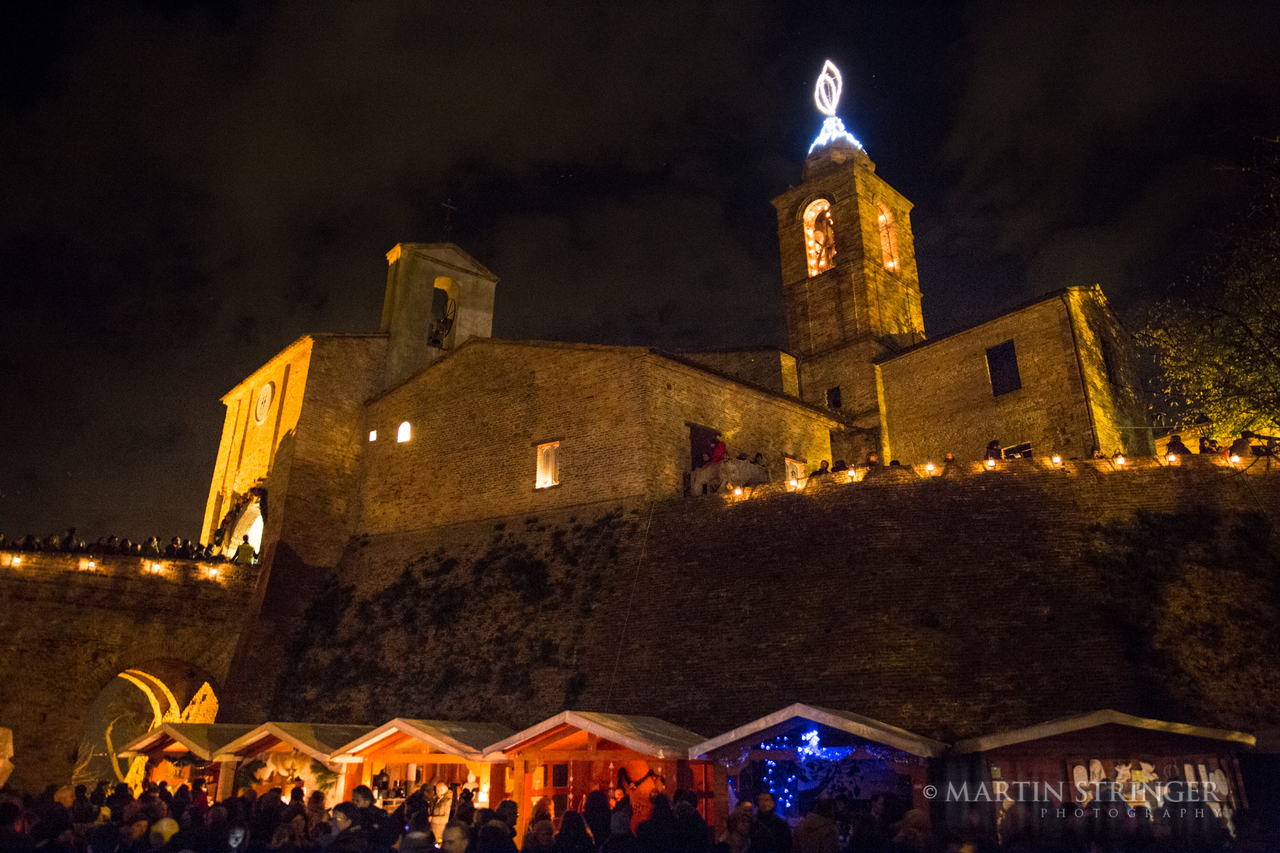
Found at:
(954, 606)
(476, 419)
(772, 369)
(1109, 365)
(938, 399)
(67, 630)
(749, 422)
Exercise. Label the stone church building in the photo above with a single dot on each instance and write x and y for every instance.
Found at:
(433, 422)
(454, 527)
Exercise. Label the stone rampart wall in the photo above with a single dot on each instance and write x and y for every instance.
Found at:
(961, 604)
(68, 628)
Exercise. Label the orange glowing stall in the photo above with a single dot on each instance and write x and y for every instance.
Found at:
(415, 752)
(574, 753)
(177, 752)
(284, 754)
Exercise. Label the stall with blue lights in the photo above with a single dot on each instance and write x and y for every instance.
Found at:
(803, 752)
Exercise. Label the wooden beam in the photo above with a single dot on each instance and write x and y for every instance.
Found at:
(618, 756)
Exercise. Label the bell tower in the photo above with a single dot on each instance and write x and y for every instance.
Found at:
(849, 277)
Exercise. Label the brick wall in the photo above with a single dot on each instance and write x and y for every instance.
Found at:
(771, 369)
(749, 422)
(1116, 397)
(311, 499)
(68, 630)
(477, 417)
(621, 415)
(938, 398)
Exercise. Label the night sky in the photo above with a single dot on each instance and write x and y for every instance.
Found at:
(184, 192)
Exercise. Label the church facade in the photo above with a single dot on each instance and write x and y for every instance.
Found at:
(432, 422)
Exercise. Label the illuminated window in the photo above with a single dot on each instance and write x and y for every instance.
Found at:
(1002, 364)
(819, 237)
(548, 465)
(795, 470)
(373, 435)
(888, 238)
(402, 434)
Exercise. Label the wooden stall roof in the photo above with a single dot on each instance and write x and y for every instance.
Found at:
(645, 735)
(854, 724)
(319, 740)
(1063, 725)
(203, 740)
(467, 740)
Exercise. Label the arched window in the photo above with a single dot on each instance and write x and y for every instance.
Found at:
(888, 238)
(819, 237)
(402, 434)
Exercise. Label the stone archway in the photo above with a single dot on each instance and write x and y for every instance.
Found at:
(139, 699)
(250, 523)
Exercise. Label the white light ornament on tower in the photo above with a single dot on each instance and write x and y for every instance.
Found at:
(827, 96)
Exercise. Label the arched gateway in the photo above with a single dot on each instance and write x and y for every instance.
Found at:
(91, 640)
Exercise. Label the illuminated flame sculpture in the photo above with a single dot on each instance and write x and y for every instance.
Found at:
(826, 94)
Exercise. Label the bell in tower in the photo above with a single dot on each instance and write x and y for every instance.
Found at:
(437, 297)
(849, 276)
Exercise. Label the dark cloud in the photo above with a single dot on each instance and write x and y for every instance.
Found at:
(187, 189)
(1089, 141)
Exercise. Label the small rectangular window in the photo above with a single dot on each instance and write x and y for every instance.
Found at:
(1002, 364)
(559, 775)
(795, 469)
(548, 465)
(833, 397)
(373, 435)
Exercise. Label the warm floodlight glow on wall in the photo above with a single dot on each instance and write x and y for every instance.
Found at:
(827, 96)
(402, 434)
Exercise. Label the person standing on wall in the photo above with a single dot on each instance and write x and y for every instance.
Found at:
(245, 555)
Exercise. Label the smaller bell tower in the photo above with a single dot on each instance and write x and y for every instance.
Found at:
(849, 278)
(437, 297)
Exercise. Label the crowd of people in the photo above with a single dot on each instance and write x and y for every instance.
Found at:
(177, 549)
(1242, 448)
(443, 817)
(435, 817)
